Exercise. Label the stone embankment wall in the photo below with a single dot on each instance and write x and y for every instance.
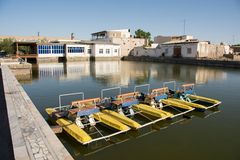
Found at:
(202, 62)
(32, 138)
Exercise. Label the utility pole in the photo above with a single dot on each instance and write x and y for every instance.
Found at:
(184, 26)
(233, 40)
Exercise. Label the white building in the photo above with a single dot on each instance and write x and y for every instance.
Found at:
(80, 50)
(183, 46)
(162, 39)
(121, 37)
(105, 49)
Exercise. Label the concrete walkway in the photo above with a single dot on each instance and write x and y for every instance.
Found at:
(5, 136)
(32, 138)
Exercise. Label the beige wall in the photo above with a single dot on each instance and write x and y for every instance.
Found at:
(210, 50)
(184, 48)
(236, 57)
(34, 38)
(128, 44)
(157, 52)
(142, 51)
(198, 50)
(161, 39)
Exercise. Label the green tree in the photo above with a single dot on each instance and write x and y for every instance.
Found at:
(44, 40)
(143, 34)
(6, 45)
(25, 49)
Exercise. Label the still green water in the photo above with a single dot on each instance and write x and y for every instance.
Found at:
(214, 134)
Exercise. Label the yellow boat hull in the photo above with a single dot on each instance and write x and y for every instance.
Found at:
(210, 100)
(152, 111)
(194, 105)
(173, 103)
(108, 120)
(122, 118)
(50, 111)
(71, 128)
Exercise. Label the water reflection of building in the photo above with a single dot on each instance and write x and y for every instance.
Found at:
(203, 75)
(76, 70)
(49, 70)
(100, 68)
(63, 71)
(137, 73)
(167, 72)
(185, 73)
(107, 72)
(121, 73)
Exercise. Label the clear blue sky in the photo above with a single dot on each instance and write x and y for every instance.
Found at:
(214, 20)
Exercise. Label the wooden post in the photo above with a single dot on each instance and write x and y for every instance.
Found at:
(16, 49)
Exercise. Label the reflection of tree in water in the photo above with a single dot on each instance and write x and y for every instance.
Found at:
(176, 71)
(143, 78)
(140, 73)
(167, 72)
(108, 80)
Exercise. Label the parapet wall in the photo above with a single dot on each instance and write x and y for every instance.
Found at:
(189, 61)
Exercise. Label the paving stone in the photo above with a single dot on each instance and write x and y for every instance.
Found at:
(35, 150)
(29, 130)
(38, 155)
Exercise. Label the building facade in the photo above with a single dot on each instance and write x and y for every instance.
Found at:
(122, 37)
(185, 47)
(71, 51)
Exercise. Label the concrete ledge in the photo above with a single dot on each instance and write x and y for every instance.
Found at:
(31, 136)
(188, 61)
(105, 58)
(16, 67)
(47, 59)
(73, 59)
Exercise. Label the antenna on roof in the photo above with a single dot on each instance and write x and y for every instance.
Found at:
(233, 39)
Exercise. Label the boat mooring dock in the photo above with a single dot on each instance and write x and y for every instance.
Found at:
(24, 132)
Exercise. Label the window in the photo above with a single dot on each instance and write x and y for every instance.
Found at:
(44, 49)
(100, 51)
(89, 51)
(115, 50)
(166, 51)
(75, 49)
(189, 50)
(107, 51)
(58, 49)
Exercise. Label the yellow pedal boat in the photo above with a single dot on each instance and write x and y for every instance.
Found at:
(201, 98)
(122, 118)
(152, 111)
(71, 128)
(173, 103)
(191, 104)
